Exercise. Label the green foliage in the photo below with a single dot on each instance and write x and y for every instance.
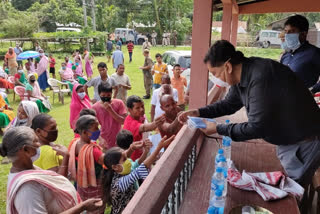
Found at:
(19, 25)
(22, 5)
(61, 11)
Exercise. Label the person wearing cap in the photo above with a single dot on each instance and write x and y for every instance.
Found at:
(117, 57)
(147, 76)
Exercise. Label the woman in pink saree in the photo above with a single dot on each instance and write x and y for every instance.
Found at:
(49, 191)
(88, 60)
(42, 71)
(79, 101)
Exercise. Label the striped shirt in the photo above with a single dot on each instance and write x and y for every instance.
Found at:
(123, 188)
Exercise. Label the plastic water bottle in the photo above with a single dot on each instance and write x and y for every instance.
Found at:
(226, 146)
(216, 204)
(219, 154)
(217, 180)
(222, 163)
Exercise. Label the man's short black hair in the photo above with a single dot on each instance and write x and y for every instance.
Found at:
(299, 22)
(102, 65)
(124, 139)
(176, 65)
(104, 87)
(133, 99)
(158, 55)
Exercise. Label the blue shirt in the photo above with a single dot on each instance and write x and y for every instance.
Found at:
(305, 63)
(117, 57)
(119, 43)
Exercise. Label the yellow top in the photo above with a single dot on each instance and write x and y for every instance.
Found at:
(159, 71)
(48, 158)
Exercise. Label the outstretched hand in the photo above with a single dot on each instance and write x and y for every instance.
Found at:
(164, 143)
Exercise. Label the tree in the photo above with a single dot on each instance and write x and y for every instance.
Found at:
(61, 11)
(22, 5)
(19, 25)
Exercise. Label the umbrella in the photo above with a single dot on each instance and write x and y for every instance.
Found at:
(28, 54)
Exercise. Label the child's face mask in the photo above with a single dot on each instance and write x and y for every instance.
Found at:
(126, 167)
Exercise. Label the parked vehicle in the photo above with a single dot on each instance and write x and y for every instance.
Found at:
(129, 34)
(266, 38)
(178, 57)
(64, 29)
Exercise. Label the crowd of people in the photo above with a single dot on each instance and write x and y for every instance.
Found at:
(110, 152)
(109, 155)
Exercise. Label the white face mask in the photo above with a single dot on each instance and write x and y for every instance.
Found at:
(20, 71)
(82, 95)
(36, 156)
(219, 82)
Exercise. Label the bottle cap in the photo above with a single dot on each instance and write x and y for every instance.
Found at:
(222, 159)
(227, 121)
(220, 151)
(211, 210)
(219, 169)
(218, 193)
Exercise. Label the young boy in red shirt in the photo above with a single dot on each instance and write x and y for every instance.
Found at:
(52, 62)
(136, 122)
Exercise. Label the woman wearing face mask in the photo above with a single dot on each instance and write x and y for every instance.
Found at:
(34, 94)
(67, 75)
(79, 101)
(50, 192)
(27, 110)
(42, 71)
(52, 156)
(86, 160)
(78, 64)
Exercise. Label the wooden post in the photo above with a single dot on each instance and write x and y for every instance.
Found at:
(234, 29)
(201, 41)
(226, 21)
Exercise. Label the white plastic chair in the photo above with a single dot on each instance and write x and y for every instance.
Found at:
(56, 86)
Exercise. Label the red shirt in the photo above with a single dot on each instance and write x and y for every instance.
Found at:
(130, 47)
(133, 126)
(53, 62)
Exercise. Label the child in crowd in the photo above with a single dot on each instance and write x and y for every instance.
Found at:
(86, 160)
(111, 114)
(125, 142)
(52, 62)
(118, 181)
(136, 122)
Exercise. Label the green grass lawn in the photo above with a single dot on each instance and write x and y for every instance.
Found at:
(61, 112)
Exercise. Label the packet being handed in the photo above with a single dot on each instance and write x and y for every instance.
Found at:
(197, 122)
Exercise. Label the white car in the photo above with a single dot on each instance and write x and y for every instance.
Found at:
(183, 58)
(129, 35)
(267, 38)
